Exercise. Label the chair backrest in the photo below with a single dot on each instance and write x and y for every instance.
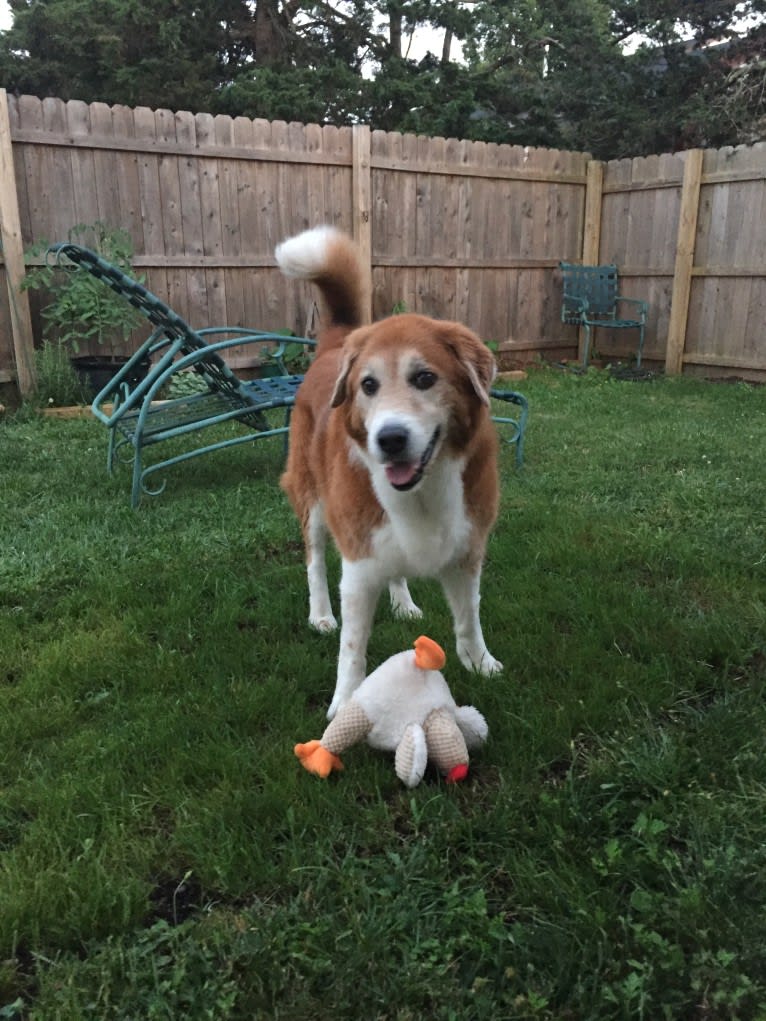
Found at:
(211, 367)
(596, 284)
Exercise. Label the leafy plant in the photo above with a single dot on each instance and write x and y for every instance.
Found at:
(296, 358)
(185, 384)
(79, 307)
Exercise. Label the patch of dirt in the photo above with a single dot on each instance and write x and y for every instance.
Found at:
(174, 900)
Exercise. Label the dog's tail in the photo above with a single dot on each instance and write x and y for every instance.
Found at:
(332, 260)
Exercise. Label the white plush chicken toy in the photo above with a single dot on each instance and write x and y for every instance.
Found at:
(406, 707)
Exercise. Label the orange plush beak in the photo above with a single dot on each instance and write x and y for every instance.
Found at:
(428, 654)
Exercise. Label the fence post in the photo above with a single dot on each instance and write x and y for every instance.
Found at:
(682, 273)
(361, 189)
(13, 256)
(591, 240)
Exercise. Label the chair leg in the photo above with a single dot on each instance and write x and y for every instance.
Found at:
(286, 441)
(110, 451)
(640, 346)
(135, 493)
(586, 347)
(520, 447)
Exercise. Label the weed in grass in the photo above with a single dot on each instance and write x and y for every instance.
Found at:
(56, 381)
(162, 855)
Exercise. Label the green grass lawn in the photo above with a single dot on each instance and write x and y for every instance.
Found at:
(164, 856)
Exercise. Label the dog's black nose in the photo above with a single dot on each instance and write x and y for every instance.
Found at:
(393, 439)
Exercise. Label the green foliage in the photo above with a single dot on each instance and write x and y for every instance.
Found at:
(535, 72)
(561, 77)
(296, 357)
(163, 854)
(120, 51)
(77, 307)
(329, 93)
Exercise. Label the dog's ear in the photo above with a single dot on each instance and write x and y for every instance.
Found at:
(340, 391)
(352, 345)
(475, 358)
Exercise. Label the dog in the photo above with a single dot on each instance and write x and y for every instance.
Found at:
(392, 452)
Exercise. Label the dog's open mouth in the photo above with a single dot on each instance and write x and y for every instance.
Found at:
(404, 475)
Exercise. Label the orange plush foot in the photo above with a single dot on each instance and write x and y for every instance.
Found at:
(316, 759)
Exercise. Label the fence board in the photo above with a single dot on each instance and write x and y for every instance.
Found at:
(127, 179)
(16, 339)
(728, 285)
(210, 219)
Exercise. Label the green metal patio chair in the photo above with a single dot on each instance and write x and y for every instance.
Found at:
(131, 404)
(591, 300)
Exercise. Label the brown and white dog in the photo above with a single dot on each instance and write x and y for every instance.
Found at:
(393, 453)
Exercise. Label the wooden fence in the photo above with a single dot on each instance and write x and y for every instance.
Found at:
(454, 229)
(688, 231)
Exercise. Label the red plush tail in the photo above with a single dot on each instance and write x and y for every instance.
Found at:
(457, 773)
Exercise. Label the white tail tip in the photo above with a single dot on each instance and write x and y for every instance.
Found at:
(306, 255)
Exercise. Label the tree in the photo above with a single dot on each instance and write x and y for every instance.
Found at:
(559, 73)
(535, 72)
(169, 53)
(699, 71)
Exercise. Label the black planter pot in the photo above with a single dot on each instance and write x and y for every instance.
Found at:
(95, 371)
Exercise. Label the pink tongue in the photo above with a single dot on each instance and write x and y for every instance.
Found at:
(400, 474)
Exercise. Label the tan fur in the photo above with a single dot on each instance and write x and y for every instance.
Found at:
(332, 456)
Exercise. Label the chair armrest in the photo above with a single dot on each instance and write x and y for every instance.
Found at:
(189, 361)
(642, 305)
(243, 338)
(166, 368)
(246, 336)
(575, 299)
(573, 305)
(118, 391)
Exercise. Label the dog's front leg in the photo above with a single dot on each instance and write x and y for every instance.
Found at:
(315, 540)
(360, 587)
(461, 584)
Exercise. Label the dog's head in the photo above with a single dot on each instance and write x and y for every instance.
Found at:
(412, 387)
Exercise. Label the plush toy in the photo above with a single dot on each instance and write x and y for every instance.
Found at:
(406, 707)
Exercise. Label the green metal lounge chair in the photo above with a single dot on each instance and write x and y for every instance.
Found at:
(131, 404)
(591, 300)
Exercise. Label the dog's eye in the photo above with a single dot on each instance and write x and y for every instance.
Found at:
(370, 385)
(424, 379)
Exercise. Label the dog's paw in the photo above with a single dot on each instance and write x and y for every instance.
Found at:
(406, 611)
(402, 604)
(489, 666)
(483, 663)
(324, 625)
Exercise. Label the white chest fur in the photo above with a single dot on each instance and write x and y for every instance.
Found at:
(426, 529)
